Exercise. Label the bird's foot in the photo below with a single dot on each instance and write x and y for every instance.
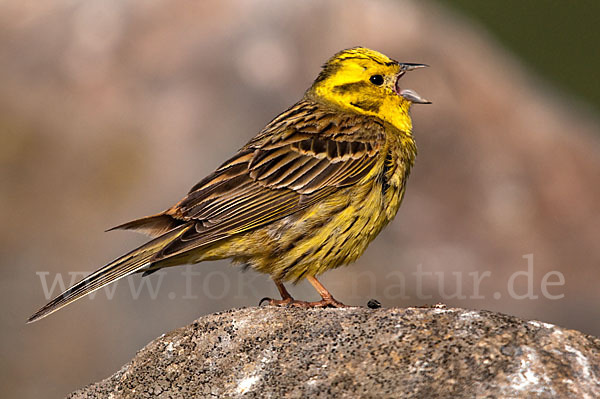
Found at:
(293, 303)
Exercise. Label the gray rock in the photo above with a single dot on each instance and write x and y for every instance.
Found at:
(357, 352)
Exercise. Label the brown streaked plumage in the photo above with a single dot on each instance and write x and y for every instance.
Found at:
(305, 195)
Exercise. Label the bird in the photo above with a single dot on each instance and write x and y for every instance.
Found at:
(305, 195)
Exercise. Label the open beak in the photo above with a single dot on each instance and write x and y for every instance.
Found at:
(413, 97)
(410, 95)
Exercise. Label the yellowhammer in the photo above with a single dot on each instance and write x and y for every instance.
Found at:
(306, 195)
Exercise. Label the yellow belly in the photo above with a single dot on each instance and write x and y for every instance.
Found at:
(333, 233)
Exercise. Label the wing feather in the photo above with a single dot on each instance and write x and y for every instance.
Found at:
(296, 161)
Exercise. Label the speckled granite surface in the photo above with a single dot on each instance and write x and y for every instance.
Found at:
(359, 352)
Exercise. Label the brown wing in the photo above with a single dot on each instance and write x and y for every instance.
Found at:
(301, 157)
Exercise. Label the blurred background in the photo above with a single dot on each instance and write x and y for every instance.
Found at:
(111, 110)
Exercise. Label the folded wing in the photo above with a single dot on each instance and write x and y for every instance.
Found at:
(294, 163)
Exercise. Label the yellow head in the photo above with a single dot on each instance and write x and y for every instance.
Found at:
(367, 82)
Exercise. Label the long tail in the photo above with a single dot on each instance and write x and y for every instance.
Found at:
(132, 262)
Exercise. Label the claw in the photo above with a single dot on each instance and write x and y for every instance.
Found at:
(267, 299)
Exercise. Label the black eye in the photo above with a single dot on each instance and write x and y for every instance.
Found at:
(376, 80)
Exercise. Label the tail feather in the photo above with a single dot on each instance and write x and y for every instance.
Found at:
(124, 266)
(153, 226)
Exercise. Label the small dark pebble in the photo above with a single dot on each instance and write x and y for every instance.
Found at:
(374, 304)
